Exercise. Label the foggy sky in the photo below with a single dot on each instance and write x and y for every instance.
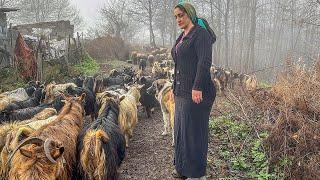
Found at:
(89, 10)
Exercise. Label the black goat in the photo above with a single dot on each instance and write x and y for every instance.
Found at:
(109, 81)
(78, 81)
(147, 101)
(28, 113)
(90, 105)
(101, 144)
(38, 96)
(88, 83)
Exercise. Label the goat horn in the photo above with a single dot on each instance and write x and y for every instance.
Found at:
(47, 151)
(31, 140)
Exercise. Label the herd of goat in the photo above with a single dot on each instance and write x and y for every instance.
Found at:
(81, 129)
(162, 66)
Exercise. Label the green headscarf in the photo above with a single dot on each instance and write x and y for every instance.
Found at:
(192, 14)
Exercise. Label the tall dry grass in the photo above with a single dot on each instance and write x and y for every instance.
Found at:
(294, 132)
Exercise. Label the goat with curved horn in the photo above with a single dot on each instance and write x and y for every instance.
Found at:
(47, 150)
(31, 140)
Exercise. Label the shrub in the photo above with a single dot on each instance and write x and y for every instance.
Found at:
(88, 66)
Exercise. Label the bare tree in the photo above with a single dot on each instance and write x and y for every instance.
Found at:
(144, 12)
(113, 13)
(7, 3)
(32, 11)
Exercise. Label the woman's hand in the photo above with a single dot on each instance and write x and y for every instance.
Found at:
(196, 96)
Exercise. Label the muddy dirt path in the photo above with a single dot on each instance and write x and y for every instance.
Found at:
(150, 155)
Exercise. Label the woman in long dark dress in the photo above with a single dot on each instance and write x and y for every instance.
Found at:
(193, 91)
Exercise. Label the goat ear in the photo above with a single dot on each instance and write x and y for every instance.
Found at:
(105, 139)
(57, 152)
(121, 98)
(82, 97)
(26, 152)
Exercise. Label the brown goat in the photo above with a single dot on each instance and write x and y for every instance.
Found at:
(12, 141)
(17, 135)
(7, 128)
(49, 152)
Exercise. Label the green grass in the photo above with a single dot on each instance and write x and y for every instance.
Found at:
(88, 66)
(241, 149)
(10, 80)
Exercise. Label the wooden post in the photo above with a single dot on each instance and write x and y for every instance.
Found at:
(79, 47)
(68, 52)
(11, 60)
(82, 44)
(39, 61)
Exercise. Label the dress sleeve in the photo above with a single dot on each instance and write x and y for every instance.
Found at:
(203, 49)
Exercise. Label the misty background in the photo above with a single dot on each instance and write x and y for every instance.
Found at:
(253, 36)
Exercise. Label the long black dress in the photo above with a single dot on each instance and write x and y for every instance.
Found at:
(193, 57)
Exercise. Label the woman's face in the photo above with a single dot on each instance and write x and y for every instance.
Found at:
(182, 18)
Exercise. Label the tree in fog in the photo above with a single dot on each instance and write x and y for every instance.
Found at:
(113, 14)
(7, 3)
(33, 11)
(254, 35)
(144, 12)
(117, 20)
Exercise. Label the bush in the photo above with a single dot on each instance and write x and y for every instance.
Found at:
(108, 48)
(88, 66)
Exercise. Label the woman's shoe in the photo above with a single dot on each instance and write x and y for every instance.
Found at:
(177, 175)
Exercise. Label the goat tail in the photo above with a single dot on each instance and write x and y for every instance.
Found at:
(96, 156)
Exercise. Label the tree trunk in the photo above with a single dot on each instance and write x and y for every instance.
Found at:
(292, 25)
(219, 30)
(152, 38)
(232, 59)
(252, 34)
(242, 37)
(118, 31)
(226, 33)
